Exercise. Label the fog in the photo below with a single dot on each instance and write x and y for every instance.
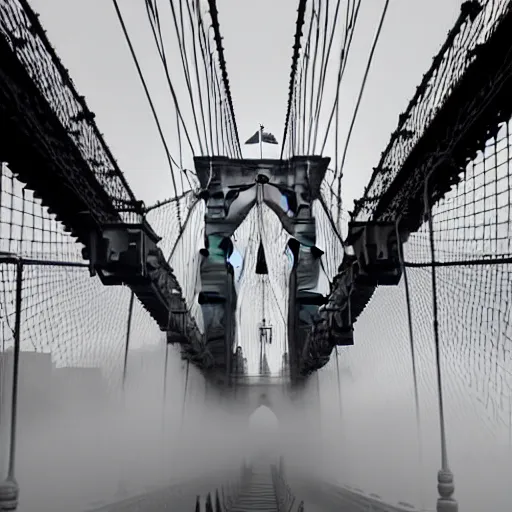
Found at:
(370, 435)
(84, 447)
(83, 440)
(82, 443)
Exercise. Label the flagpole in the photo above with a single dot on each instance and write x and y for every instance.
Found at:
(261, 141)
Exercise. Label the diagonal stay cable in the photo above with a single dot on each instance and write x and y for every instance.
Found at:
(323, 71)
(343, 59)
(163, 58)
(361, 91)
(148, 95)
(313, 74)
(143, 80)
(207, 57)
(196, 68)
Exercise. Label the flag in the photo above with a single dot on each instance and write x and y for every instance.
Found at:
(268, 138)
(254, 139)
(265, 137)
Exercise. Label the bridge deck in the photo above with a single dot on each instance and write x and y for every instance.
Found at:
(258, 494)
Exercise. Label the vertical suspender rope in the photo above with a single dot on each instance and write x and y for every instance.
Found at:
(15, 370)
(164, 396)
(338, 379)
(413, 352)
(120, 469)
(9, 489)
(263, 333)
(164, 391)
(127, 341)
(445, 484)
(319, 398)
(184, 403)
(340, 406)
(261, 330)
(259, 200)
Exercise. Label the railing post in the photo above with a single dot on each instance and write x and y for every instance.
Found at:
(224, 506)
(9, 489)
(209, 506)
(218, 507)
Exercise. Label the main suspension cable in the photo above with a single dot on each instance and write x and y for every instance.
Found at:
(296, 49)
(222, 62)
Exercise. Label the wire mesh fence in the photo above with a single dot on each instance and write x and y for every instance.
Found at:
(384, 447)
(73, 335)
(20, 27)
(475, 26)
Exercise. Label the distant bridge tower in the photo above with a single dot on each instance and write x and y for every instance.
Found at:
(230, 191)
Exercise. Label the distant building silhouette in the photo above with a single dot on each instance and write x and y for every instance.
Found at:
(79, 387)
(44, 390)
(34, 385)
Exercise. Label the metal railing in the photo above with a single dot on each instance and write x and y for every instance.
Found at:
(21, 29)
(223, 498)
(285, 498)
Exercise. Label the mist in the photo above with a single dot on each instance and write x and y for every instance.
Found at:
(78, 446)
(82, 443)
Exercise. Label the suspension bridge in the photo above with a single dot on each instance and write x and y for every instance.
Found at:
(138, 340)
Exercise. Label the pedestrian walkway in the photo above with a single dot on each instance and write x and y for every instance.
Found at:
(258, 493)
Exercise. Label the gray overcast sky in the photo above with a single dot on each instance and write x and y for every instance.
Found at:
(258, 38)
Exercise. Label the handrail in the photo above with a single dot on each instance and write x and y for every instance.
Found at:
(223, 499)
(136, 500)
(285, 499)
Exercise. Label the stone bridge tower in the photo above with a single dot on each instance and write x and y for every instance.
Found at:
(230, 189)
